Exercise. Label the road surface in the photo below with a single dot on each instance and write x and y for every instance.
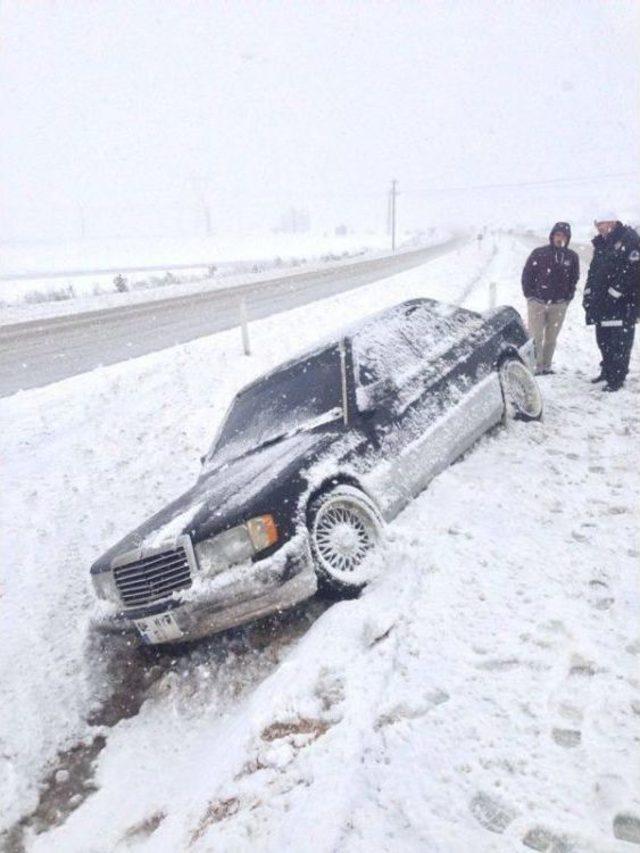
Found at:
(36, 353)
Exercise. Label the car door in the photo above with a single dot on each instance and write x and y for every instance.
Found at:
(426, 398)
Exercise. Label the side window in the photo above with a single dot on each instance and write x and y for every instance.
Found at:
(384, 354)
(432, 333)
(394, 351)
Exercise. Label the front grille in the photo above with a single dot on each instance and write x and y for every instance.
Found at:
(153, 578)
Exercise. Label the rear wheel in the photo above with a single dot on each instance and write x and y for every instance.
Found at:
(344, 527)
(522, 397)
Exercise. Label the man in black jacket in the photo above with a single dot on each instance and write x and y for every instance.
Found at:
(549, 281)
(612, 297)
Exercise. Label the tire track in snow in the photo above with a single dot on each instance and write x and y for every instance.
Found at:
(234, 662)
(477, 279)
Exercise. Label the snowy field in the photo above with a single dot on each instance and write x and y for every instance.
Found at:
(135, 251)
(482, 694)
(237, 261)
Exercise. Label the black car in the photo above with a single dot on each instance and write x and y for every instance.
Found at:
(311, 460)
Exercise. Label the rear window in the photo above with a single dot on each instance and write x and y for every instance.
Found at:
(396, 345)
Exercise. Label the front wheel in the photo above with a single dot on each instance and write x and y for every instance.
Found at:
(522, 397)
(344, 527)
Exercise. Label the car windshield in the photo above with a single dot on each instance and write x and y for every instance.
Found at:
(294, 398)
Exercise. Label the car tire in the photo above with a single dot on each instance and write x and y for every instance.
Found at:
(344, 526)
(520, 391)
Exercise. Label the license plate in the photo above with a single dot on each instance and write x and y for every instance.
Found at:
(162, 628)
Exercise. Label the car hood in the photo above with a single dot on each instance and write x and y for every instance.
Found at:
(221, 497)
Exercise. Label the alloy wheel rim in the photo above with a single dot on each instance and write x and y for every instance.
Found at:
(344, 534)
(522, 389)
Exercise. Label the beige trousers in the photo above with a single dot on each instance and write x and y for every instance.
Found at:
(545, 322)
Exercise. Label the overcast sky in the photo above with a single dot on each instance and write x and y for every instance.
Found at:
(140, 111)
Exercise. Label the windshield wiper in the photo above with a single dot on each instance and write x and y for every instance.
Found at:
(248, 451)
(307, 426)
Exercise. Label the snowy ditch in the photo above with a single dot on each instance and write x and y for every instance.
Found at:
(482, 693)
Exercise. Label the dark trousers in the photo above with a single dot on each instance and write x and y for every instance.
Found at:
(615, 344)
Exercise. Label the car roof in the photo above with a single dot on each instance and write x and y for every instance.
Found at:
(360, 327)
(439, 309)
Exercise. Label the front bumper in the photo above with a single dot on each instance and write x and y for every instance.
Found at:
(235, 596)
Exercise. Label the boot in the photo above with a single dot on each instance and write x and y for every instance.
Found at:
(599, 378)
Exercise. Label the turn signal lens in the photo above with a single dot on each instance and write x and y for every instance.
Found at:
(262, 531)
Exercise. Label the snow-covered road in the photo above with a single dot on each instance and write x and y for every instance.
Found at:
(482, 694)
(46, 350)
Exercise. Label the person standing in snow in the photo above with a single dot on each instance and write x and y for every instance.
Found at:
(612, 297)
(549, 281)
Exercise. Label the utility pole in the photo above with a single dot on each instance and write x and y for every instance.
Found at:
(392, 198)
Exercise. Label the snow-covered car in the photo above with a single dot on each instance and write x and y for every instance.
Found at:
(309, 463)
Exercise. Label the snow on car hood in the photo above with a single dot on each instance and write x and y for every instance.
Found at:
(219, 496)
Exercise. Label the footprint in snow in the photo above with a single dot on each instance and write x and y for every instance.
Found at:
(539, 838)
(604, 603)
(633, 648)
(491, 813)
(598, 599)
(567, 738)
(626, 827)
(498, 665)
(582, 667)
(579, 537)
(403, 711)
(571, 701)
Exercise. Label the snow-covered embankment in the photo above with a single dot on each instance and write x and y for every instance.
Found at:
(482, 692)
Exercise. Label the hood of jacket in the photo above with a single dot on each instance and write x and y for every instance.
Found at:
(563, 228)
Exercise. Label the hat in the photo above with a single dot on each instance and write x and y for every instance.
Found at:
(605, 215)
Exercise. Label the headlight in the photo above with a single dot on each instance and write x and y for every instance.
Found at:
(105, 587)
(236, 545)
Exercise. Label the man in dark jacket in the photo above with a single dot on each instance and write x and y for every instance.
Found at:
(549, 281)
(612, 297)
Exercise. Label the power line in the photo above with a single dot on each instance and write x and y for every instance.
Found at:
(546, 182)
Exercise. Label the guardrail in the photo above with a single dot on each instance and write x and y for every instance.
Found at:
(34, 276)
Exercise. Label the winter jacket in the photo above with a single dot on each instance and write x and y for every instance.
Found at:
(612, 293)
(550, 274)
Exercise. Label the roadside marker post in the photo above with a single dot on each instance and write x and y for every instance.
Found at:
(244, 325)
